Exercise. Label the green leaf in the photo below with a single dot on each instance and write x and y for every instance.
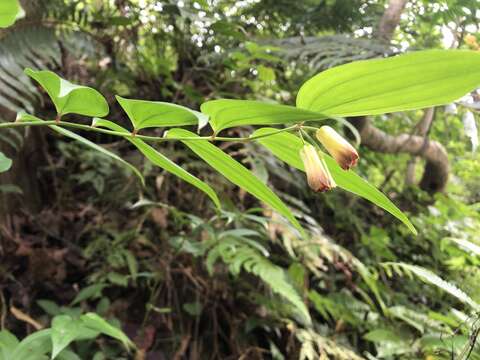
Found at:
(69, 98)
(84, 141)
(5, 163)
(405, 82)
(287, 146)
(193, 308)
(117, 279)
(50, 307)
(10, 11)
(68, 355)
(34, 346)
(226, 113)
(162, 161)
(266, 73)
(237, 255)
(64, 330)
(235, 172)
(132, 263)
(146, 114)
(379, 335)
(95, 322)
(89, 292)
(8, 343)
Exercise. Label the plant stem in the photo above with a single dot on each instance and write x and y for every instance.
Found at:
(6, 125)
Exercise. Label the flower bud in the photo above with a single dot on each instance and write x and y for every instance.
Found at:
(472, 42)
(344, 154)
(318, 175)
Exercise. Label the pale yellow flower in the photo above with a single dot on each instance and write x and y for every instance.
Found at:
(318, 175)
(344, 154)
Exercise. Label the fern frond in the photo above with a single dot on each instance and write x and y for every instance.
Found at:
(466, 245)
(239, 255)
(431, 278)
(321, 248)
(418, 320)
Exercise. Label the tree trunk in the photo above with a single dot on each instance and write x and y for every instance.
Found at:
(435, 175)
(27, 158)
(422, 129)
(23, 174)
(390, 20)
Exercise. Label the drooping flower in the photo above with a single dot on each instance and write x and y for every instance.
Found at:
(472, 42)
(318, 176)
(344, 154)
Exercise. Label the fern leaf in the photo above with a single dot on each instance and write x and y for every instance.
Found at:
(431, 278)
(238, 255)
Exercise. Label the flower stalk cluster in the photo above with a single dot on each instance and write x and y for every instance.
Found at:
(319, 177)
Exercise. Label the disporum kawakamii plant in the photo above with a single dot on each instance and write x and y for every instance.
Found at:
(414, 80)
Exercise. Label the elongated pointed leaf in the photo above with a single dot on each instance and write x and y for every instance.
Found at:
(235, 172)
(69, 98)
(146, 114)
(33, 346)
(287, 147)
(8, 343)
(405, 82)
(95, 322)
(64, 331)
(5, 163)
(84, 141)
(226, 113)
(10, 10)
(162, 161)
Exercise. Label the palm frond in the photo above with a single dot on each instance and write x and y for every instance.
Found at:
(35, 47)
(320, 53)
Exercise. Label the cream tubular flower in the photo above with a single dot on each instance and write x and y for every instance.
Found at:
(318, 176)
(344, 154)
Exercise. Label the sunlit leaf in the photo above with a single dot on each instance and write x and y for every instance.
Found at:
(162, 161)
(34, 346)
(95, 322)
(10, 11)
(64, 331)
(411, 81)
(226, 113)
(8, 343)
(5, 163)
(234, 172)
(147, 114)
(287, 146)
(69, 98)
